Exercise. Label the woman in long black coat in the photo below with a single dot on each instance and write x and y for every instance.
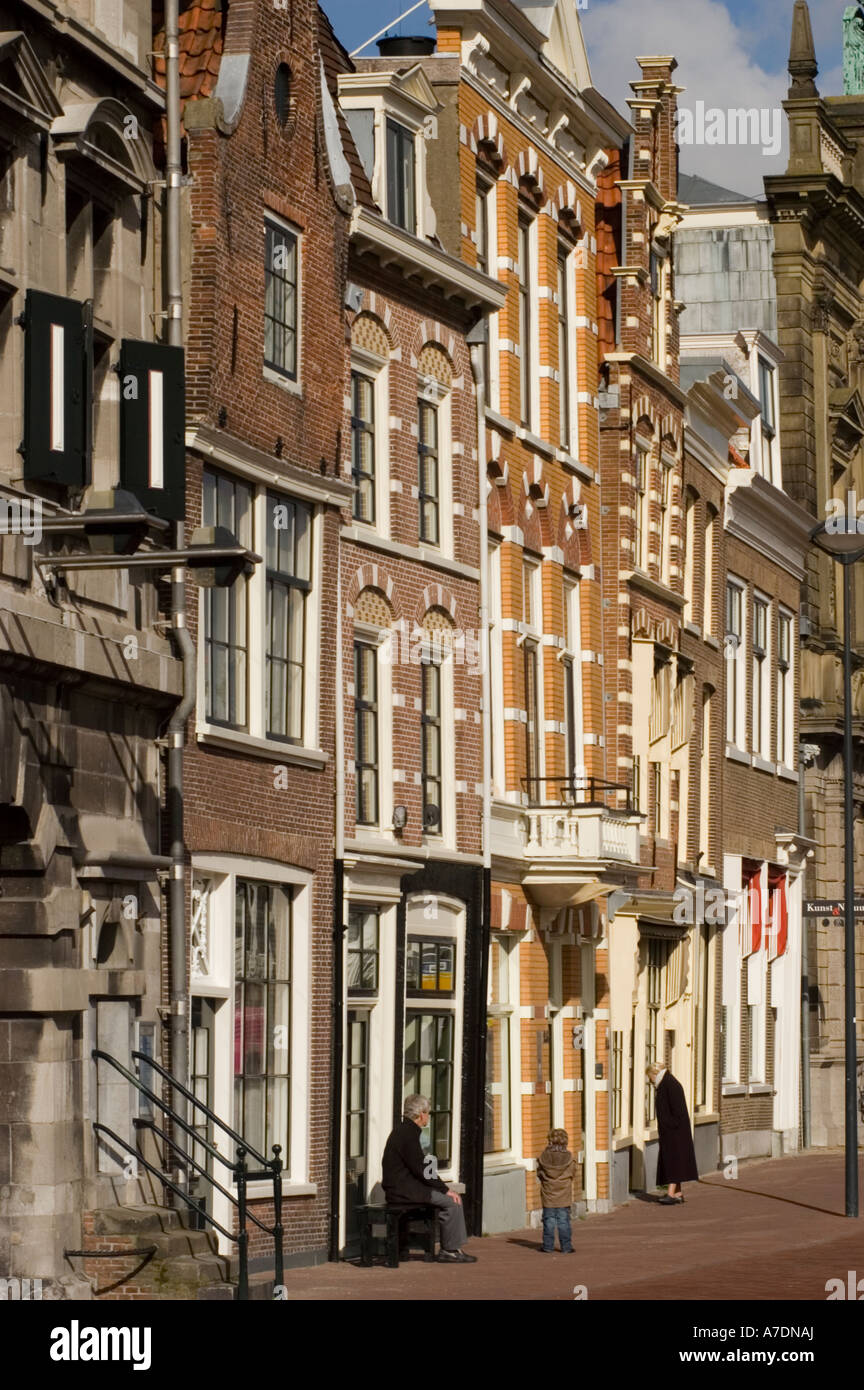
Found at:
(676, 1163)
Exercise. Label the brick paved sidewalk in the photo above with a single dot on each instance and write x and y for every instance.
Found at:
(778, 1232)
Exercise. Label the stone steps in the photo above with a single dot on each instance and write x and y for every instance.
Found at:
(185, 1265)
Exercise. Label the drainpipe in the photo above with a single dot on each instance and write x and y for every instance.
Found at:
(338, 982)
(805, 972)
(477, 339)
(177, 726)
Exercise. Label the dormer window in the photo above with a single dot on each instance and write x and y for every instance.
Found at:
(401, 202)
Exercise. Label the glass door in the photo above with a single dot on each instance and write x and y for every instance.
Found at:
(356, 1126)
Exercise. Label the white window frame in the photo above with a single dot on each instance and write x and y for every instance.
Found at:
(532, 632)
(571, 657)
(710, 584)
(489, 195)
(529, 362)
(735, 670)
(294, 384)
(433, 393)
(498, 769)
(510, 1016)
(449, 920)
(368, 364)
(786, 692)
(761, 716)
(767, 440)
(255, 736)
(569, 426)
(385, 644)
(691, 498)
(731, 966)
(641, 491)
(442, 657)
(219, 984)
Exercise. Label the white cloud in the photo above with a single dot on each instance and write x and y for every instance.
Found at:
(714, 67)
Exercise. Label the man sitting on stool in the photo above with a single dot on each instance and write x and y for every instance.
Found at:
(410, 1180)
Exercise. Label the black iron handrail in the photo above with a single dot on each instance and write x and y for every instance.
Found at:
(576, 791)
(271, 1168)
(140, 1123)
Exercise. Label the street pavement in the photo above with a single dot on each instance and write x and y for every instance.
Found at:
(776, 1232)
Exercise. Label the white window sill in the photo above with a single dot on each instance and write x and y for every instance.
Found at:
(760, 1088)
(505, 1162)
(762, 765)
(787, 773)
(294, 388)
(534, 441)
(733, 1088)
(711, 641)
(237, 741)
(575, 465)
(737, 755)
(500, 422)
(260, 1191)
(694, 629)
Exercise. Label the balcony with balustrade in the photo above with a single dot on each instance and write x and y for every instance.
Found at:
(577, 832)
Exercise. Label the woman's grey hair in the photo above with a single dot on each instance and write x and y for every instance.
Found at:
(413, 1106)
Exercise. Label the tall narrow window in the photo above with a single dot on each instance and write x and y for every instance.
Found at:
(785, 687)
(761, 678)
(564, 355)
(289, 559)
(689, 555)
(658, 308)
(499, 1086)
(640, 486)
(702, 1005)
(429, 1048)
(366, 732)
(574, 756)
(526, 327)
(710, 588)
(430, 720)
(227, 503)
(769, 426)
(734, 653)
(532, 617)
(705, 787)
(663, 539)
(362, 953)
(280, 301)
(482, 233)
(262, 1013)
(657, 797)
(400, 177)
(428, 490)
(363, 446)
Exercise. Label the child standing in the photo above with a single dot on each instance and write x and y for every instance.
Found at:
(556, 1169)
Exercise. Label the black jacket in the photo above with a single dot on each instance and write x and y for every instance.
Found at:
(677, 1158)
(403, 1178)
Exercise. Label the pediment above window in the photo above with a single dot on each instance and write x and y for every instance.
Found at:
(24, 89)
(104, 140)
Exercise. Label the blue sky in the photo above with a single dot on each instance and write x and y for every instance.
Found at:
(730, 53)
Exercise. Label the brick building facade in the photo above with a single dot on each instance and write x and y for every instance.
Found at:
(409, 858)
(527, 134)
(266, 234)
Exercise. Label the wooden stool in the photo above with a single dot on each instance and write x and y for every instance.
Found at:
(392, 1219)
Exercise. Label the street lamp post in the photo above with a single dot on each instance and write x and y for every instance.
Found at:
(847, 547)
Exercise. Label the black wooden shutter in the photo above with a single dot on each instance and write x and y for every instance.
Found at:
(57, 413)
(138, 452)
